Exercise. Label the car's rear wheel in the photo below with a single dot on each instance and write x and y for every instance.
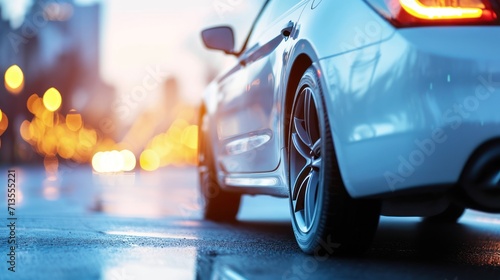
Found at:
(450, 215)
(325, 219)
(217, 204)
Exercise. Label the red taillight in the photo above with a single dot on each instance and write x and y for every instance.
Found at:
(436, 12)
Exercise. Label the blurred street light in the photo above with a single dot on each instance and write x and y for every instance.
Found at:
(52, 99)
(114, 161)
(150, 161)
(74, 120)
(14, 79)
(4, 123)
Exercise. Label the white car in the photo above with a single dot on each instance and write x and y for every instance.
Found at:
(356, 109)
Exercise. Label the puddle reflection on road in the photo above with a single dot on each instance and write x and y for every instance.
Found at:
(170, 192)
(152, 235)
(151, 263)
(168, 262)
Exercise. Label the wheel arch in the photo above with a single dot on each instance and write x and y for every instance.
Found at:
(301, 57)
(300, 65)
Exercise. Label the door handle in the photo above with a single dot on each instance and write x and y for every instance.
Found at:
(287, 30)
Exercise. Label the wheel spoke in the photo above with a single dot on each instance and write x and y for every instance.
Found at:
(307, 110)
(303, 150)
(310, 116)
(316, 148)
(301, 178)
(301, 195)
(307, 104)
(316, 152)
(301, 131)
(310, 197)
(316, 163)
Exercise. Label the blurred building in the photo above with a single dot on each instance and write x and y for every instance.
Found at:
(56, 46)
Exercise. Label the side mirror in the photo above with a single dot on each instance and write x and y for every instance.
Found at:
(219, 38)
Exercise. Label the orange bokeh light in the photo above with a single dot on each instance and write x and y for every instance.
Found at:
(14, 79)
(4, 123)
(52, 99)
(149, 160)
(190, 137)
(74, 120)
(25, 131)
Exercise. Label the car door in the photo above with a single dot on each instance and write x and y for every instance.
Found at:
(247, 118)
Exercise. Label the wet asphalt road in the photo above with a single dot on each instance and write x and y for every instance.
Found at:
(80, 225)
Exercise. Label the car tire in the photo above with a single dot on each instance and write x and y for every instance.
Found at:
(217, 204)
(325, 219)
(450, 215)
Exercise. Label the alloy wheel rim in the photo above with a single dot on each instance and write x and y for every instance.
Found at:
(305, 159)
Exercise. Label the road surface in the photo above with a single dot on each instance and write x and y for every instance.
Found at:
(75, 224)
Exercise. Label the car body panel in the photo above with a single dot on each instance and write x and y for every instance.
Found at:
(417, 111)
(248, 96)
(360, 27)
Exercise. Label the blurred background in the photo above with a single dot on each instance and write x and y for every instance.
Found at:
(110, 83)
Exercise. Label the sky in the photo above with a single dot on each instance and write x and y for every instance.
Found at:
(164, 34)
(154, 34)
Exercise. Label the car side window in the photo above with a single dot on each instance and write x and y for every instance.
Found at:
(273, 11)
